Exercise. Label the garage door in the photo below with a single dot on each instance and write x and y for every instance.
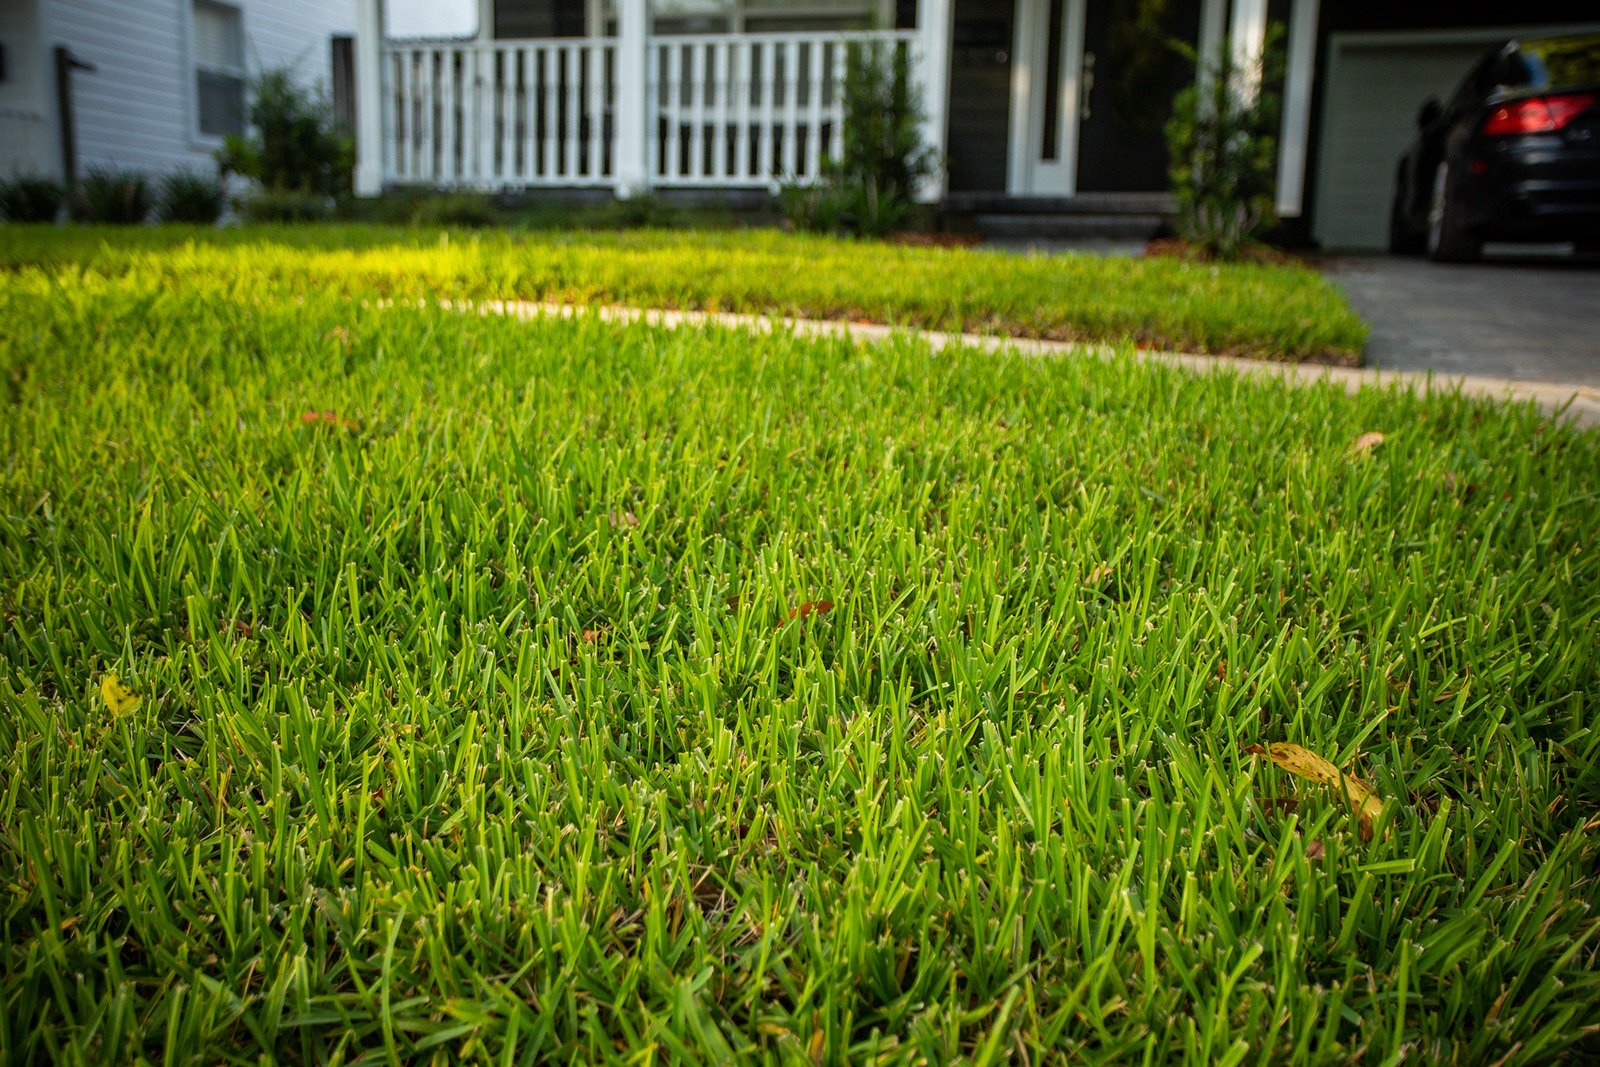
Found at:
(1376, 83)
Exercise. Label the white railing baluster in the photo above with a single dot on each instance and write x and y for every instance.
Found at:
(527, 117)
(739, 98)
(427, 129)
(699, 80)
(674, 144)
(573, 80)
(594, 105)
(814, 114)
(549, 85)
(841, 60)
(447, 117)
(791, 112)
(766, 152)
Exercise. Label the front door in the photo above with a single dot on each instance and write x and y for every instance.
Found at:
(1130, 73)
(1044, 97)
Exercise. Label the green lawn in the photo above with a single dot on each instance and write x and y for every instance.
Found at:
(1277, 312)
(482, 716)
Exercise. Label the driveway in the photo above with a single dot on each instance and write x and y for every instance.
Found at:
(1525, 319)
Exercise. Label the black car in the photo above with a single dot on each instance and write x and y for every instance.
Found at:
(1514, 155)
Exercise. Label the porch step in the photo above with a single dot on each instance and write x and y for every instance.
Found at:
(1158, 204)
(1068, 226)
(1087, 216)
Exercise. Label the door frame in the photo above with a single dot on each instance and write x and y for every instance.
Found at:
(1026, 174)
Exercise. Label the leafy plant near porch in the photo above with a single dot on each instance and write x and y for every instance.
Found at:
(294, 145)
(1224, 149)
(870, 189)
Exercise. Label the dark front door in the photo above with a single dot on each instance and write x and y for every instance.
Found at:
(1130, 75)
(980, 95)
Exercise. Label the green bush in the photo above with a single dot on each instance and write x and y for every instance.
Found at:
(285, 205)
(295, 144)
(460, 209)
(1224, 152)
(190, 196)
(31, 198)
(108, 195)
(871, 188)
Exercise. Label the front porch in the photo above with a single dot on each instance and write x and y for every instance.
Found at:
(636, 95)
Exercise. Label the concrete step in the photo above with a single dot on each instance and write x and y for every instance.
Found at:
(1067, 227)
(1081, 204)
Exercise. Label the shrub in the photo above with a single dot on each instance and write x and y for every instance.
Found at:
(871, 188)
(1224, 152)
(31, 198)
(294, 144)
(286, 205)
(190, 196)
(107, 195)
(461, 209)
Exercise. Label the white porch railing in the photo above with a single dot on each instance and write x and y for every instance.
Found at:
(749, 109)
(730, 110)
(499, 114)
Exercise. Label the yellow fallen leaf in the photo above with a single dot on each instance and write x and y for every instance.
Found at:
(1304, 763)
(118, 697)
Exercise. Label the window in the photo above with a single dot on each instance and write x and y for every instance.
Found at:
(218, 45)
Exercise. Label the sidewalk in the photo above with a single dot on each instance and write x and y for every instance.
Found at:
(1579, 403)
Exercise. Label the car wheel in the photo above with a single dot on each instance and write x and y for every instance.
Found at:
(1448, 240)
(1403, 241)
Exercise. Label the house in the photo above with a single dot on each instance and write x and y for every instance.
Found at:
(151, 85)
(1047, 105)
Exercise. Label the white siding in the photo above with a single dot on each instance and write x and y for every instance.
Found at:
(137, 109)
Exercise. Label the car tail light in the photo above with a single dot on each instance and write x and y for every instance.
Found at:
(1542, 114)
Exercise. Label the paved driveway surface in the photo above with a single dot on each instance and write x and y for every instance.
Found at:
(1520, 318)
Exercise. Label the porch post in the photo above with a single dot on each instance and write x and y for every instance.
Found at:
(1249, 33)
(933, 75)
(631, 171)
(1292, 139)
(369, 97)
(1213, 27)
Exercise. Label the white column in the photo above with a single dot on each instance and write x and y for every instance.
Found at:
(369, 97)
(630, 173)
(1213, 27)
(1301, 64)
(1248, 32)
(932, 71)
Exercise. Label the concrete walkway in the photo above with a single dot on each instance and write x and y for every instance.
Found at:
(1523, 318)
(1581, 404)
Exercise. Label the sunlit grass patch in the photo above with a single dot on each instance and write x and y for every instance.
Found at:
(1267, 311)
(398, 682)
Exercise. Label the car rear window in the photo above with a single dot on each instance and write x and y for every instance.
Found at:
(1554, 63)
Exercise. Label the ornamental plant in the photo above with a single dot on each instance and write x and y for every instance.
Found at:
(294, 144)
(1223, 147)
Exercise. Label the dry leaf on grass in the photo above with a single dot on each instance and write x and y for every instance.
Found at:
(1303, 763)
(118, 697)
(1366, 443)
(808, 609)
